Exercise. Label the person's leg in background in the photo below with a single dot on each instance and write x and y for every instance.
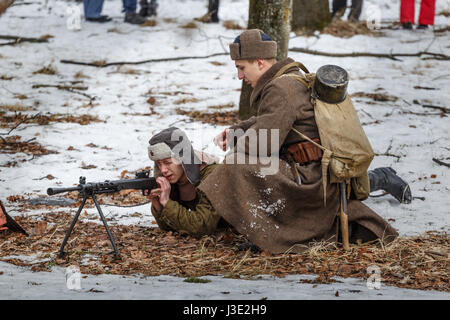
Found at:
(338, 8)
(427, 10)
(148, 9)
(213, 6)
(129, 6)
(93, 10)
(356, 10)
(407, 13)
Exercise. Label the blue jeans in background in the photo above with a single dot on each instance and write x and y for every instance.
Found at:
(129, 6)
(92, 8)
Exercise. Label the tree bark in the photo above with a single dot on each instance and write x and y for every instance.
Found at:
(310, 15)
(4, 4)
(272, 17)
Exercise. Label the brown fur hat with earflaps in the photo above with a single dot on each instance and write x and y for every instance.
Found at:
(253, 44)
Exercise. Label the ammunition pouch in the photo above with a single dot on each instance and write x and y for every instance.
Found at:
(305, 152)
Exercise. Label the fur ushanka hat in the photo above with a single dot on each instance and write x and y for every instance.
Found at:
(253, 44)
(174, 143)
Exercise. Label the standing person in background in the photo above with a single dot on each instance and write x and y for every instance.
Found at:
(93, 10)
(426, 17)
(339, 7)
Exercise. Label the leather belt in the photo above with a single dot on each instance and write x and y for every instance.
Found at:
(305, 152)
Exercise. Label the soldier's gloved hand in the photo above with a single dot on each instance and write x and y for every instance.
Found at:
(223, 139)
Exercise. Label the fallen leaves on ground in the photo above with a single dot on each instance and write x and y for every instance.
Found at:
(220, 118)
(375, 96)
(8, 121)
(13, 144)
(347, 29)
(420, 262)
(50, 70)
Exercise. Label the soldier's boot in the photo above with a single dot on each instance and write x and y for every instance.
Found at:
(143, 12)
(387, 179)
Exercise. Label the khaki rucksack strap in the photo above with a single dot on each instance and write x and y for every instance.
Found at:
(291, 65)
(326, 158)
(307, 80)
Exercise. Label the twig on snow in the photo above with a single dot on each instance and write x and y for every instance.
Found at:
(441, 162)
(103, 65)
(392, 56)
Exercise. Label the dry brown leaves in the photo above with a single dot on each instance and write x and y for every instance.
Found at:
(149, 23)
(347, 29)
(219, 118)
(375, 96)
(7, 121)
(50, 70)
(232, 25)
(13, 144)
(413, 262)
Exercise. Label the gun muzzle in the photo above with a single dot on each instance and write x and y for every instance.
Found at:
(52, 191)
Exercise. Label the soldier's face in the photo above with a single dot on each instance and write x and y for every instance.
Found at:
(250, 70)
(172, 170)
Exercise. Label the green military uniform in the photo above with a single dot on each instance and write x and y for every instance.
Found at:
(197, 217)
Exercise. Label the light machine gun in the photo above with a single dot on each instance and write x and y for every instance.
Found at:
(142, 182)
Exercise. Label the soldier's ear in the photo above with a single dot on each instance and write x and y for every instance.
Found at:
(261, 63)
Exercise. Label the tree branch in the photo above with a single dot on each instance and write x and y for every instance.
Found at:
(23, 121)
(72, 89)
(103, 65)
(18, 39)
(441, 162)
(392, 56)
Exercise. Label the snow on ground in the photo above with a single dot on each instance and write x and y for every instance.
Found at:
(121, 94)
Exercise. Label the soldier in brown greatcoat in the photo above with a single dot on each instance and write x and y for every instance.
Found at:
(274, 211)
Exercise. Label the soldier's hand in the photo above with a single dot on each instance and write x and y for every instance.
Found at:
(222, 140)
(165, 190)
(154, 196)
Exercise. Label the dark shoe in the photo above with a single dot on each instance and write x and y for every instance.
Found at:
(387, 179)
(134, 18)
(100, 19)
(422, 27)
(407, 25)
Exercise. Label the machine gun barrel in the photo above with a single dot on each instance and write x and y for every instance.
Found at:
(52, 191)
(142, 182)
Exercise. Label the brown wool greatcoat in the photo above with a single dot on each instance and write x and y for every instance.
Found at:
(273, 211)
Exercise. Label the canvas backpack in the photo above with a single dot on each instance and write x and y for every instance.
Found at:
(347, 152)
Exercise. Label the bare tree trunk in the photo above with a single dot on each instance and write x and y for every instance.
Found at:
(272, 17)
(310, 15)
(4, 4)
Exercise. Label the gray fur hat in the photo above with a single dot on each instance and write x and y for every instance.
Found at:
(174, 143)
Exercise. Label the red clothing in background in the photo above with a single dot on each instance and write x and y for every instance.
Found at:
(426, 16)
